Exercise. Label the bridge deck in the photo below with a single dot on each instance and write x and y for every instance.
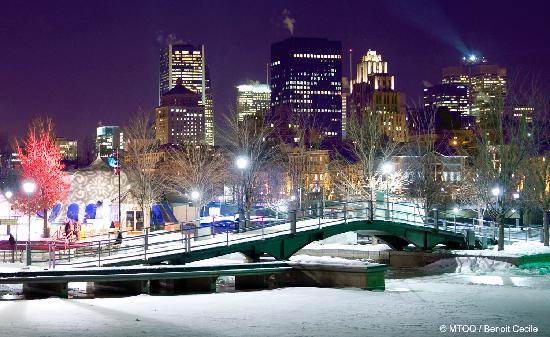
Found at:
(280, 239)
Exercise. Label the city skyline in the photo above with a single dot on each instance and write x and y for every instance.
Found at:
(121, 72)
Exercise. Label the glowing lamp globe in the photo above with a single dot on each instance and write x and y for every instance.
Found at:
(29, 187)
(195, 195)
(242, 162)
(387, 168)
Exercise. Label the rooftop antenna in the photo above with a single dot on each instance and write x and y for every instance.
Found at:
(350, 71)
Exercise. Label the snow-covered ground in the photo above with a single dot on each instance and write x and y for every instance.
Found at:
(339, 246)
(515, 249)
(417, 306)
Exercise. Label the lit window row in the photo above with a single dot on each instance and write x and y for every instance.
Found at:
(317, 56)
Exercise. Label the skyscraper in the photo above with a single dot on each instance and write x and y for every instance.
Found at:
(346, 88)
(253, 98)
(108, 140)
(454, 97)
(181, 60)
(306, 84)
(68, 148)
(487, 84)
(180, 116)
(374, 89)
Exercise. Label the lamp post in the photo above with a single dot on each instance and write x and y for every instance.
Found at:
(387, 169)
(195, 195)
(455, 211)
(29, 187)
(242, 164)
(8, 196)
(119, 196)
(496, 192)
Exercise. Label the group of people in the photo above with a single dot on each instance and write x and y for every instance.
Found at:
(71, 228)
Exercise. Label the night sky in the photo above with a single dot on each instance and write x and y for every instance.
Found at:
(81, 62)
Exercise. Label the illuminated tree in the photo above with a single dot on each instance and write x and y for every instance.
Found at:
(41, 163)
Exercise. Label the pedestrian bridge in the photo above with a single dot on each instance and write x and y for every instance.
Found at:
(394, 223)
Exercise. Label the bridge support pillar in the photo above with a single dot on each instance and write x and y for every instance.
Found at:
(136, 287)
(188, 285)
(293, 222)
(252, 258)
(245, 282)
(370, 277)
(43, 290)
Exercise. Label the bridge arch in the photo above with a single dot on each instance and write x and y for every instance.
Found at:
(396, 235)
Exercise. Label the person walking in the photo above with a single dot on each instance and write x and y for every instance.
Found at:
(12, 247)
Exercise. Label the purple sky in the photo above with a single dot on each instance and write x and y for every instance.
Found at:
(81, 62)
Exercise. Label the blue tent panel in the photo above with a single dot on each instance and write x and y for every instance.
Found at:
(72, 212)
(54, 212)
(89, 212)
(157, 214)
(169, 211)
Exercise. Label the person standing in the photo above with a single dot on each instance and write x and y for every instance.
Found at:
(12, 247)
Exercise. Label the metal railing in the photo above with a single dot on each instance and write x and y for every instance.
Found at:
(107, 249)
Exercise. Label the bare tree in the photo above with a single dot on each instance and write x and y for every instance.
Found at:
(370, 147)
(193, 167)
(536, 172)
(536, 191)
(502, 148)
(254, 140)
(141, 162)
(424, 185)
(307, 168)
(473, 191)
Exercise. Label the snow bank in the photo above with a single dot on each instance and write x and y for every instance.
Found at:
(469, 265)
(363, 248)
(235, 258)
(519, 248)
(525, 248)
(306, 259)
(349, 238)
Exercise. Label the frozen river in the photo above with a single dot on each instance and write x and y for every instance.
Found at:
(410, 306)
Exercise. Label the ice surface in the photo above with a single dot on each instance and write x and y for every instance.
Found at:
(409, 307)
(469, 265)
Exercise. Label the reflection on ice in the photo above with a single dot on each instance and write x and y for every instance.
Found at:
(398, 290)
(486, 279)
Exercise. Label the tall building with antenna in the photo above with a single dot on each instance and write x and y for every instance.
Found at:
(486, 84)
(181, 60)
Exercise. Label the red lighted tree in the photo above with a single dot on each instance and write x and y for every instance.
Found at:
(41, 163)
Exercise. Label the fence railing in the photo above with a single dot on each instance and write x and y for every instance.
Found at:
(104, 249)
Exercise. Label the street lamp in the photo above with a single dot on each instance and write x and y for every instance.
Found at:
(8, 196)
(195, 197)
(387, 169)
(242, 163)
(455, 212)
(29, 187)
(496, 191)
(519, 221)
